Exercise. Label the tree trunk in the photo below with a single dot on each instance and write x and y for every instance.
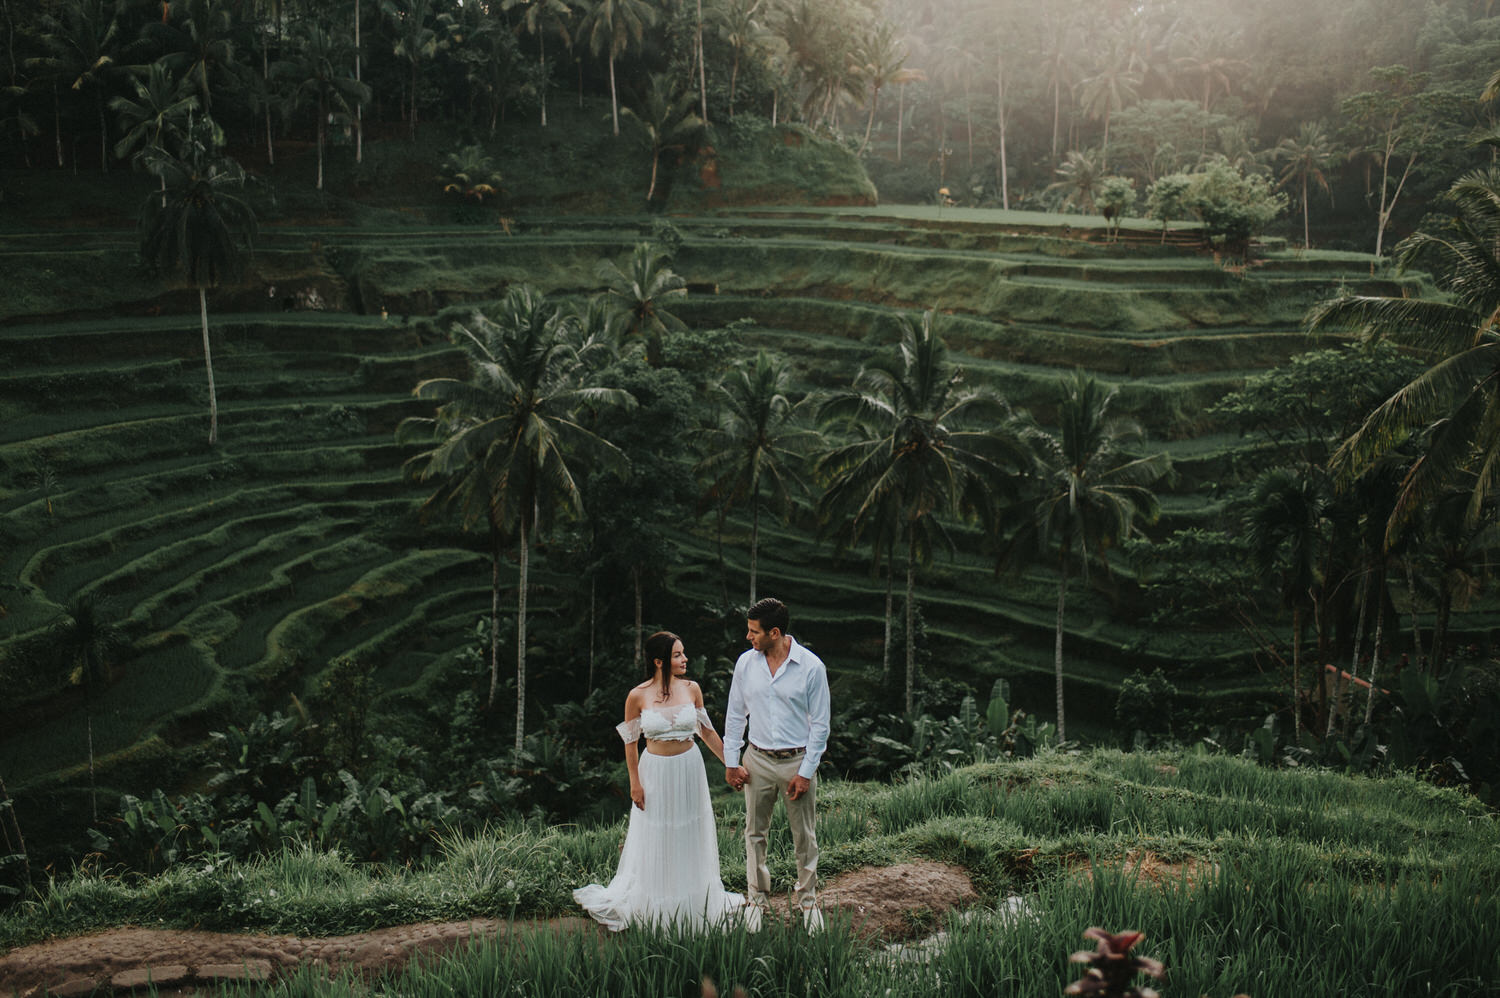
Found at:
(869, 122)
(1297, 675)
(88, 723)
(1375, 651)
(911, 619)
(541, 36)
(1416, 625)
(593, 616)
(494, 618)
(13, 827)
(1339, 684)
(265, 75)
(57, 125)
(1057, 647)
(359, 106)
(322, 132)
(702, 73)
(640, 655)
(614, 99)
(1306, 236)
(1000, 101)
(208, 363)
(1440, 630)
(885, 648)
(734, 76)
(103, 140)
(655, 159)
(900, 118)
(754, 537)
(525, 533)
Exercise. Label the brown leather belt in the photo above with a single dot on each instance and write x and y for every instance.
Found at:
(779, 753)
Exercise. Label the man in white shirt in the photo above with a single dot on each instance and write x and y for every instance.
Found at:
(782, 689)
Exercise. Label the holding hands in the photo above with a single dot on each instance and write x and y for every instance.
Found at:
(736, 776)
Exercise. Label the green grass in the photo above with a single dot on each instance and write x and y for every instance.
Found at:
(1278, 883)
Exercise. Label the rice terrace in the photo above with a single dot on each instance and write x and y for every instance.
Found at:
(1109, 391)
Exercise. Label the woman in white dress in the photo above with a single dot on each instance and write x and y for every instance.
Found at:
(669, 868)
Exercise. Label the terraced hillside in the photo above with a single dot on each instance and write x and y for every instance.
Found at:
(240, 572)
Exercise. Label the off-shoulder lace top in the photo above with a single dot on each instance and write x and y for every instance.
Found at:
(669, 724)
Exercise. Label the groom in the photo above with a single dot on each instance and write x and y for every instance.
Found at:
(783, 689)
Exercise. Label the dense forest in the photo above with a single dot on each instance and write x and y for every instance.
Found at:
(1360, 110)
(1125, 442)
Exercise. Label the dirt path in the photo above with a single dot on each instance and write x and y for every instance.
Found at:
(888, 903)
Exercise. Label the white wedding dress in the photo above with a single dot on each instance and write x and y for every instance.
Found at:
(669, 868)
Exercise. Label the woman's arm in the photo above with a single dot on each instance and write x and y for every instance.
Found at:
(633, 752)
(706, 731)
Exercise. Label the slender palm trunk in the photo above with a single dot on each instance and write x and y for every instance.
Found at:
(57, 125)
(359, 106)
(1056, 116)
(1306, 232)
(103, 140)
(1375, 651)
(702, 73)
(614, 99)
(593, 616)
(265, 75)
(208, 364)
(1439, 657)
(541, 36)
(655, 160)
(1057, 647)
(322, 132)
(1416, 625)
(900, 118)
(521, 636)
(635, 574)
(1000, 101)
(12, 829)
(734, 76)
(88, 723)
(870, 121)
(754, 538)
(911, 619)
(1297, 676)
(494, 618)
(1339, 683)
(885, 647)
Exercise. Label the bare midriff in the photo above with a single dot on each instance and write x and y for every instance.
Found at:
(662, 746)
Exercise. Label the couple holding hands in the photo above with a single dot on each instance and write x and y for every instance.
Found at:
(669, 866)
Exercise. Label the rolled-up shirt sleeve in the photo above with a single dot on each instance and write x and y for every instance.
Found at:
(818, 708)
(735, 715)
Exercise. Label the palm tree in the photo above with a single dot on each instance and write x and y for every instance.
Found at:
(739, 27)
(752, 448)
(199, 231)
(925, 446)
(884, 59)
(1287, 526)
(544, 17)
(1307, 157)
(1087, 494)
(87, 643)
(316, 75)
(637, 295)
(666, 121)
(509, 442)
(10, 830)
(1453, 405)
(612, 27)
(199, 40)
(1114, 84)
(416, 40)
(158, 116)
(80, 43)
(1079, 179)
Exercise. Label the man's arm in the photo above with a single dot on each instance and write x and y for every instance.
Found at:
(735, 715)
(818, 722)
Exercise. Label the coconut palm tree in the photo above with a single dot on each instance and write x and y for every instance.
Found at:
(87, 643)
(541, 18)
(924, 447)
(1288, 528)
(316, 75)
(1452, 406)
(1308, 158)
(1115, 82)
(198, 39)
(1087, 493)
(80, 42)
(611, 28)
(509, 441)
(665, 119)
(752, 449)
(201, 231)
(744, 31)
(637, 297)
(420, 34)
(883, 63)
(158, 115)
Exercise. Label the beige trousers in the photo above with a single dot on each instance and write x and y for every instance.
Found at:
(768, 780)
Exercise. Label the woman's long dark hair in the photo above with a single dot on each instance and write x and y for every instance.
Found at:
(659, 649)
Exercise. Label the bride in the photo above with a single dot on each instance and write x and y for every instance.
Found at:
(669, 867)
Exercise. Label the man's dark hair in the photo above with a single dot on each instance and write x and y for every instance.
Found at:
(771, 613)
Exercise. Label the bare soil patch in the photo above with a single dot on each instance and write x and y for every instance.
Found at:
(884, 904)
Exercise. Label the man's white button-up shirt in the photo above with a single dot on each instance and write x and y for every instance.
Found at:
(787, 710)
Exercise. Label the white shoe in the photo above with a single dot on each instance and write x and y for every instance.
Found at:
(812, 920)
(752, 917)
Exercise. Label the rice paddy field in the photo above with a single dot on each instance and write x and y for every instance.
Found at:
(239, 572)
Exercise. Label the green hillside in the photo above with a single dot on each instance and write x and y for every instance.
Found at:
(241, 572)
